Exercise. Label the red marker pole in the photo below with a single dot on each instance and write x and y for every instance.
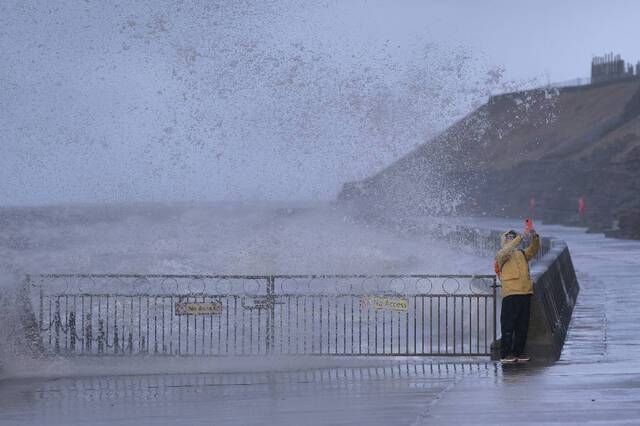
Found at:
(581, 208)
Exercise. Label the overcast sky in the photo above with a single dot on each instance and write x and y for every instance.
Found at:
(154, 100)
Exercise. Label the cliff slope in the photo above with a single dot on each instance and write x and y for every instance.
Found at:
(555, 145)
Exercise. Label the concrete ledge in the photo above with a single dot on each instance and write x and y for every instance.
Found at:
(556, 291)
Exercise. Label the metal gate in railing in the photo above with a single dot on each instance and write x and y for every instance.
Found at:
(353, 315)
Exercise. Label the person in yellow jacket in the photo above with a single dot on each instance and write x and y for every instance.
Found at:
(517, 288)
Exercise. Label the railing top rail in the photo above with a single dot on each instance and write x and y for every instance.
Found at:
(314, 276)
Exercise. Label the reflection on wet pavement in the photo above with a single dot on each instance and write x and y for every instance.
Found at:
(395, 393)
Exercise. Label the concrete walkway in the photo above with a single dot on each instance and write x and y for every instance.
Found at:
(597, 379)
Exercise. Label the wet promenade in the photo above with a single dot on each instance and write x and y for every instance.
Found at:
(597, 379)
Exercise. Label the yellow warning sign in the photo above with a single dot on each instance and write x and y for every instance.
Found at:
(213, 308)
(389, 303)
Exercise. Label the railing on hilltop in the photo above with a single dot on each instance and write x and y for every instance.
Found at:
(574, 82)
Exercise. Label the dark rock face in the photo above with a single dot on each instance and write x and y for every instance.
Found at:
(554, 146)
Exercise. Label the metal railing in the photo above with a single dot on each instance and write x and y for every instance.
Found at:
(486, 243)
(575, 82)
(343, 315)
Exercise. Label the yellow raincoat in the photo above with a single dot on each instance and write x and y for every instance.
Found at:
(514, 265)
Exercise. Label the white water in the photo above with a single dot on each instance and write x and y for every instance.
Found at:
(266, 238)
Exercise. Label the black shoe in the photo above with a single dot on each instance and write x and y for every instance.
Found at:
(509, 359)
(523, 358)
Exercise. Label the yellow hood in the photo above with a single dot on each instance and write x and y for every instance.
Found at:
(503, 239)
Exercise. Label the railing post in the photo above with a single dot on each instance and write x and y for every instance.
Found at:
(495, 310)
(88, 334)
(271, 317)
(71, 328)
(41, 295)
(57, 323)
(116, 341)
(101, 337)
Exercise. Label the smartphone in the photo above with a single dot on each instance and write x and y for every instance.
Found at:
(528, 225)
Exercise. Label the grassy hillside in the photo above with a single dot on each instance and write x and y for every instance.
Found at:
(554, 145)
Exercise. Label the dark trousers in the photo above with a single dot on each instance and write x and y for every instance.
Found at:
(514, 322)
